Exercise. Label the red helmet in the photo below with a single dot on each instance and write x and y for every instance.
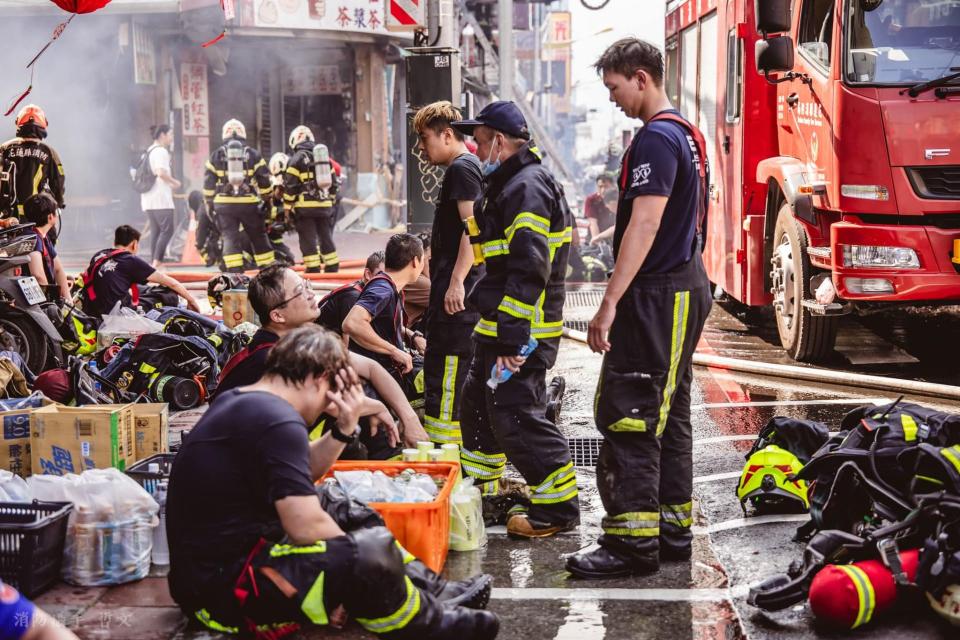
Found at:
(32, 114)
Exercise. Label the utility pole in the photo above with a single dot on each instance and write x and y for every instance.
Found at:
(505, 27)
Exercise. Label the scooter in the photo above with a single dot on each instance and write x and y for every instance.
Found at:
(25, 311)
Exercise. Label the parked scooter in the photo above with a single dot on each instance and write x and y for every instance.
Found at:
(25, 311)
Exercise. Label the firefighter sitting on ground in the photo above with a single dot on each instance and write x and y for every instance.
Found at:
(235, 182)
(28, 166)
(277, 224)
(310, 192)
(252, 548)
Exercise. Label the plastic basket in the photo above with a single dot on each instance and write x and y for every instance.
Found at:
(150, 480)
(31, 544)
(422, 528)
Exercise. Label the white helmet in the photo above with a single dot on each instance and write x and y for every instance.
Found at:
(233, 127)
(300, 134)
(278, 163)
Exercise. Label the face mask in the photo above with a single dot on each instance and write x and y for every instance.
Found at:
(489, 167)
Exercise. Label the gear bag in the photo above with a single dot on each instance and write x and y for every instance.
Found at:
(143, 176)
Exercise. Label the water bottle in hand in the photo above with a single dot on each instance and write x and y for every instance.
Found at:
(498, 377)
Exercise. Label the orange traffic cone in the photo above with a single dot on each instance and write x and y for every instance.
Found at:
(190, 254)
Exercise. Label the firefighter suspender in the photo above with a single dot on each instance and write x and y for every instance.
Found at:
(397, 312)
(240, 357)
(89, 274)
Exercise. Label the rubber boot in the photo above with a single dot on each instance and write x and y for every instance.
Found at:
(460, 623)
(313, 270)
(331, 268)
(614, 558)
(473, 593)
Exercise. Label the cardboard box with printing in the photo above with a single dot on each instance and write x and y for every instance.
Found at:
(152, 424)
(237, 308)
(15, 442)
(74, 439)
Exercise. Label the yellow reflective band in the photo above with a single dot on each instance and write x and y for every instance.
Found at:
(559, 486)
(262, 163)
(442, 431)
(407, 556)
(209, 166)
(293, 171)
(289, 197)
(865, 595)
(557, 239)
(330, 258)
(952, 455)
(470, 224)
(312, 260)
(147, 368)
(527, 220)
(539, 330)
(317, 432)
(312, 604)
(909, 427)
(536, 151)
(448, 390)
(400, 618)
(635, 425)
(495, 248)
(225, 199)
(680, 515)
(38, 176)
(305, 203)
(281, 550)
(481, 466)
(209, 192)
(486, 328)
(418, 382)
(265, 190)
(60, 169)
(204, 617)
(516, 308)
(233, 260)
(263, 259)
(637, 524)
(681, 309)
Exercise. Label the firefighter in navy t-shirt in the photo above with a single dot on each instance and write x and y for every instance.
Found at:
(648, 325)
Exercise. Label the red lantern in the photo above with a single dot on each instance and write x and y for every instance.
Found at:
(81, 6)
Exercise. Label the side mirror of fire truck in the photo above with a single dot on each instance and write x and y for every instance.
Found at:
(773, 16)
(774, 55)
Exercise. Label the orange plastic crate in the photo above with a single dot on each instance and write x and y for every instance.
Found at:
(422, 528)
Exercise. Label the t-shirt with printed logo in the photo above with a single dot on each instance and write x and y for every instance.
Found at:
(662, 161)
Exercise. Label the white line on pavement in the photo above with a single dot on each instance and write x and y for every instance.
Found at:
(659, 595)
(733, 438)
(739, 523)
(729, 475)
(790, 403)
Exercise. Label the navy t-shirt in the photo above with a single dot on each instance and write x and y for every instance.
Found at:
(47, 254)
(384, 303)
(662, 161)
(113, 280)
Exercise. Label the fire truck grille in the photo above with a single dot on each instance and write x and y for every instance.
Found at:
(936, 182)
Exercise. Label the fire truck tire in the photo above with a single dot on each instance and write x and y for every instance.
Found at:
(805, 337)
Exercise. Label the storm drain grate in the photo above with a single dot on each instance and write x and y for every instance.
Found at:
(588, 299)
(576, 325)
(585, 451)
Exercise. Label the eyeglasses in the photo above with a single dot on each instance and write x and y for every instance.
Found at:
(302, 289)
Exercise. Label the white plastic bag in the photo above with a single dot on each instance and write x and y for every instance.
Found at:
(13, 488)
(467, 531)
(123, 322)
(110, 531)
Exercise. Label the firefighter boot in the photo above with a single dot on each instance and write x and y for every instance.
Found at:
(473, 593)
(522, 526)
(614, 558)
(555, 391)
(465, 624)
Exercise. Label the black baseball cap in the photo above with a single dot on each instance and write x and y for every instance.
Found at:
(503, 116)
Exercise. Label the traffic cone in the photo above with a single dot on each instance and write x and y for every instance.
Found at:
(190, 254)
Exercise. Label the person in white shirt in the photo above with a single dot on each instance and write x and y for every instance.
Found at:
(157, 203)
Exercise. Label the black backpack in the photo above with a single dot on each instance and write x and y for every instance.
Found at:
(143, 176)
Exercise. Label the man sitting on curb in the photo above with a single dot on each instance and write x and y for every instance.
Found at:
(283, 301)
(253, 550)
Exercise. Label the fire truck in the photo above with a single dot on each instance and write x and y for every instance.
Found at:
(833, 134)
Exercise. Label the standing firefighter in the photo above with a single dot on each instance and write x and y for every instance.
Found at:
(28, 165)
(525, 229)
(276, 216)
(648, 325)
(310, 187)
(449, 323)
(236, 181)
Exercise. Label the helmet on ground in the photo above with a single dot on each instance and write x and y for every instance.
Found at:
(233, 127)
(768, 477)
(32, 114)
(300, 134)
(278, 163)
(224, 282)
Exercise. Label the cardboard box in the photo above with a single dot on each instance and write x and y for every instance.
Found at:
(74, 439)
(152, 427)
(15, 443)
(237, 309)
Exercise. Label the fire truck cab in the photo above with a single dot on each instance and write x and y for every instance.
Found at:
(833, 134)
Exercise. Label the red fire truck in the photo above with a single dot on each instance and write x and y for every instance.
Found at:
(833, 133)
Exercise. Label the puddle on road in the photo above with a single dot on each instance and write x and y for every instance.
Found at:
(584, 619)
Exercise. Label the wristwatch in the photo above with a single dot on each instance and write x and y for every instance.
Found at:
(342, 437)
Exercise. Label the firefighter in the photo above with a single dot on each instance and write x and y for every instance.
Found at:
(525, 234)
(277, 224)
(449, 322)
(310, 191)
(235, 184)
(28, 165)
(648, 325)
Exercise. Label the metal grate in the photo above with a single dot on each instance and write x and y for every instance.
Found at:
(585, 451)
(584, 299)
(576, 325)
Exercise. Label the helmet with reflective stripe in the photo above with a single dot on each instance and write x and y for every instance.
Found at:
(234, 127)
(300, 134)
(769, 475)
(32, 114)
(278, 163)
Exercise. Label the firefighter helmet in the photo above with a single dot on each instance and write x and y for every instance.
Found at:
(278, 163)
(233, 127)
(769, 475)
(300, 134)
(32, 114)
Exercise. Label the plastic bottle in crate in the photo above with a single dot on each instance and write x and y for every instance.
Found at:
(161, 553)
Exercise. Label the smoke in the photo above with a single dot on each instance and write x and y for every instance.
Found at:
(84, 83)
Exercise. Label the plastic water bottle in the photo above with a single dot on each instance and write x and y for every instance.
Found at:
(161, 552)
(497, 378)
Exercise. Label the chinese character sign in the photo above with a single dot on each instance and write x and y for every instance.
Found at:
(335, 15)
(311, 80)
(558, 36)
(193, 91)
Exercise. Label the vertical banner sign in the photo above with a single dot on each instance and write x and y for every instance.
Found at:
(193, 89)
(144, 56)
(558, 37)
(406, 15)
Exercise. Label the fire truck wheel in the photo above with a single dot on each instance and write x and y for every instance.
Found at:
(804, 336)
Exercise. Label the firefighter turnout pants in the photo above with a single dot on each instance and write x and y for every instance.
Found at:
(445, 366)
(315, 228)
(642, 409)
(231, 217)
(509, 424)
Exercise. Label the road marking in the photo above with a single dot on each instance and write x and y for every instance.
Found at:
(653, 595)
(739, 523)
(790, 403)
(729, 475)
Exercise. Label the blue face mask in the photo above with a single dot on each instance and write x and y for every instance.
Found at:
(488, 167)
